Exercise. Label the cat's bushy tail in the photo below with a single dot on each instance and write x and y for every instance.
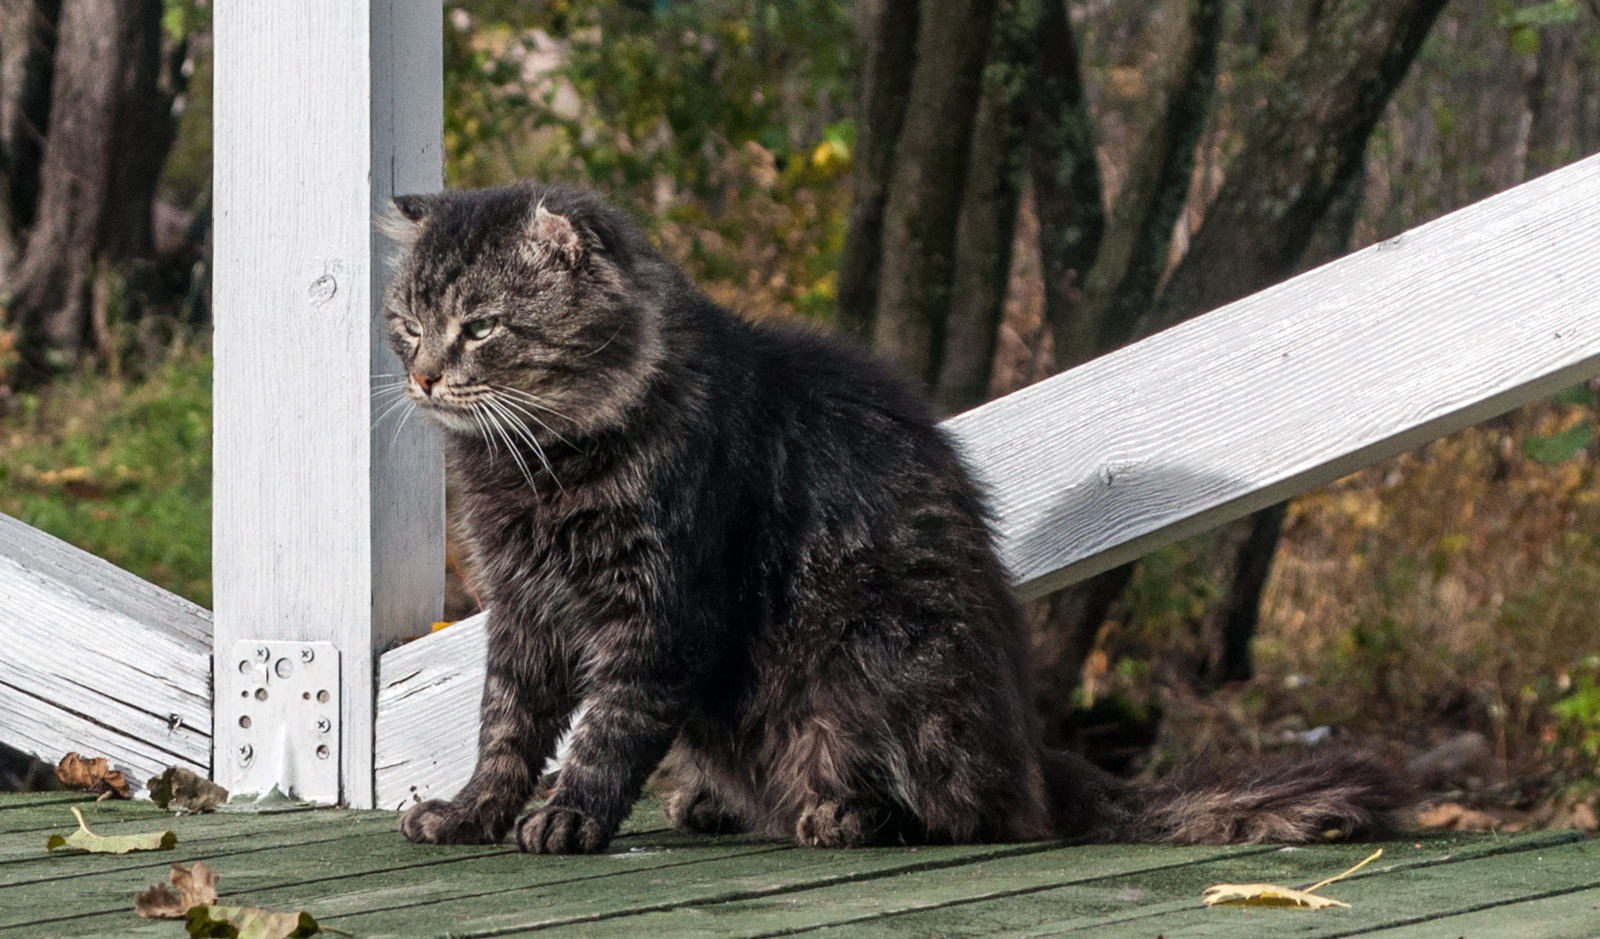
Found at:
(1327, 796)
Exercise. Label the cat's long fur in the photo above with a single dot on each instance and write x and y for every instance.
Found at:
(751, 545)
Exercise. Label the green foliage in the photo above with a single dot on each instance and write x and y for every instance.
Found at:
(121, 471)
(186, 177)
(1577, 713)
(720, 122)
(1558, 448)
(1523, 24)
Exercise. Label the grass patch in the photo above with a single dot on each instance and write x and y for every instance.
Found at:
(120, 469)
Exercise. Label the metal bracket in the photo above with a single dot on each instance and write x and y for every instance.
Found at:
(283, 700)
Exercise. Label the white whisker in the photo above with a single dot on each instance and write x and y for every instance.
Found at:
(527, 437)
(493, 420)
(393, 406)
(596, 349)
(530, 399)
(522, 411)
(401, 426)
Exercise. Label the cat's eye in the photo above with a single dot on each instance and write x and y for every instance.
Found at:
(413, 328)
(478, 329)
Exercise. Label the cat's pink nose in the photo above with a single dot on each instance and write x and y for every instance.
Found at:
(425, 381)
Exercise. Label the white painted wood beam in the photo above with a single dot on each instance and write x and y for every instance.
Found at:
(428, 695)
(328, 525)
(94, 659)
(1367, 357)
(1451, 323)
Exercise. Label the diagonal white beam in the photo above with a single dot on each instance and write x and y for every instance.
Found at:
(1367, 357)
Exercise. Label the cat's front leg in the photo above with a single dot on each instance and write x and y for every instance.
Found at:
(617, 744)
(524, 711)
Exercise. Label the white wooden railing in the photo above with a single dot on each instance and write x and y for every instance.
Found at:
(325, 533)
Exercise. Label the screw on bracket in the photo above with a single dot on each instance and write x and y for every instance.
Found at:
(324, 725)
(307, 654)
(263, 653)
(246, 753)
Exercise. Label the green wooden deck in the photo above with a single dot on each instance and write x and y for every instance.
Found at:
(354, 872)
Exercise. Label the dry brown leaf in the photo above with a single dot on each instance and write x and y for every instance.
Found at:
(94, 775)
(185, 790)
(196, 886)
(1274, 895)
(1453, 816)
(86, 840)
(195, 902)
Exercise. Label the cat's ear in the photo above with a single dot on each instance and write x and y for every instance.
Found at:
(402, 222)
(555, 236)
(414, 208)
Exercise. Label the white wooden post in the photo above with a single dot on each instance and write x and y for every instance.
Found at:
(326, 527)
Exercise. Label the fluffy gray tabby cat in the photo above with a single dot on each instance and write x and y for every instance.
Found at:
(750, 544)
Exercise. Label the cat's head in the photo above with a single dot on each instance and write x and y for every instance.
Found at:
(521, 305)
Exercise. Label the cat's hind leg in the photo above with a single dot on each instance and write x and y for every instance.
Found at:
(704, 799)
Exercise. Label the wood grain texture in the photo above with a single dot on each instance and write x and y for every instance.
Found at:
(97, 660)
(1451, 323)
(427, 731)
(327, 525)
(353, 871)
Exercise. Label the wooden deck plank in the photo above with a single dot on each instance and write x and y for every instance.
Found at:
(1563, 916)
(628, 896)
(18, 824)
(1022, 891)
(353, 871)
(22, 863)
(1166, 903)
(810, 908)
(372, 870)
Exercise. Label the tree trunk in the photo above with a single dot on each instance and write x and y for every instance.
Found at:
(27, 59)
(110, 129)
(1126, 271)
(989, 212)
(886, 47)
(1299, 152)
(1245, 548)
(1066, 184)
(1133, 258)
(925, 190)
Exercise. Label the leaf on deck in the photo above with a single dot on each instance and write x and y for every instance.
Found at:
(195, 902)
(186, 790)
(196, 886)
(1274, 895)
(248, 922)
(86, 840)
(1266, 895)
(94, 775)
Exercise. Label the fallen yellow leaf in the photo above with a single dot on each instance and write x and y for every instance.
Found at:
(1265, 895)
(87, 840)
(1274, 895)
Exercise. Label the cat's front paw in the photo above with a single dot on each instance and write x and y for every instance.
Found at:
(437, 822)
(556, 829)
